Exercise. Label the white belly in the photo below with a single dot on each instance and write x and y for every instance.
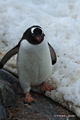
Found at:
(34, 63)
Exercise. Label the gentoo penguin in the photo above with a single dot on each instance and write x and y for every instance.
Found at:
(34, 61)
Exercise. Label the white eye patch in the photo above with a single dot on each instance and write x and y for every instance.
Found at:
(32, 30)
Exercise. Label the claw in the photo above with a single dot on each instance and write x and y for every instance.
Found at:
(45, 87)
(28, 98)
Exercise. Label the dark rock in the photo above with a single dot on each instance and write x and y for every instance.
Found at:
(4, 75)
(2, 112)
(43, 109)
(7, 94)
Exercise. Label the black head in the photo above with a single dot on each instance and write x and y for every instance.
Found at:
(34, 35)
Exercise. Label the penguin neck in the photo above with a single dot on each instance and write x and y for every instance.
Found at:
(32, 43)
(27, 45)
(30, 49)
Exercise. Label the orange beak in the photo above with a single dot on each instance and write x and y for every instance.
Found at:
(37, 39)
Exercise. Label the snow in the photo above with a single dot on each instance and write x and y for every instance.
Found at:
(60, 20)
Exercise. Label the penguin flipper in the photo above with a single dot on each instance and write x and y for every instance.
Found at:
(53, 54)
(8, 55)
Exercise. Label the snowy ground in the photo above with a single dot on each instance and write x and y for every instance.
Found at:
(60, 20)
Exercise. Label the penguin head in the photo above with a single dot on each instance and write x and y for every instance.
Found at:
(34, 35)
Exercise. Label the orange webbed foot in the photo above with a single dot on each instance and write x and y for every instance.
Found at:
(28, 98)
(45, 87)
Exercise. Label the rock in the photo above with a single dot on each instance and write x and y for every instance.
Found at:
(2, 112)
(43, 108)
(7, 94)
(4, 75)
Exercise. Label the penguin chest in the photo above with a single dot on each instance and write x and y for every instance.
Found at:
(34, 62)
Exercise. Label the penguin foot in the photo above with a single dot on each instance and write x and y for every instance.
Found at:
(45, 87)
(28, 98)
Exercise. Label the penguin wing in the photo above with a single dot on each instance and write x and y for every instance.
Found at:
(8, 55)
(53, 54)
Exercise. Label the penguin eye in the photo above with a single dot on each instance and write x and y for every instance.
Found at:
(37, 31)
